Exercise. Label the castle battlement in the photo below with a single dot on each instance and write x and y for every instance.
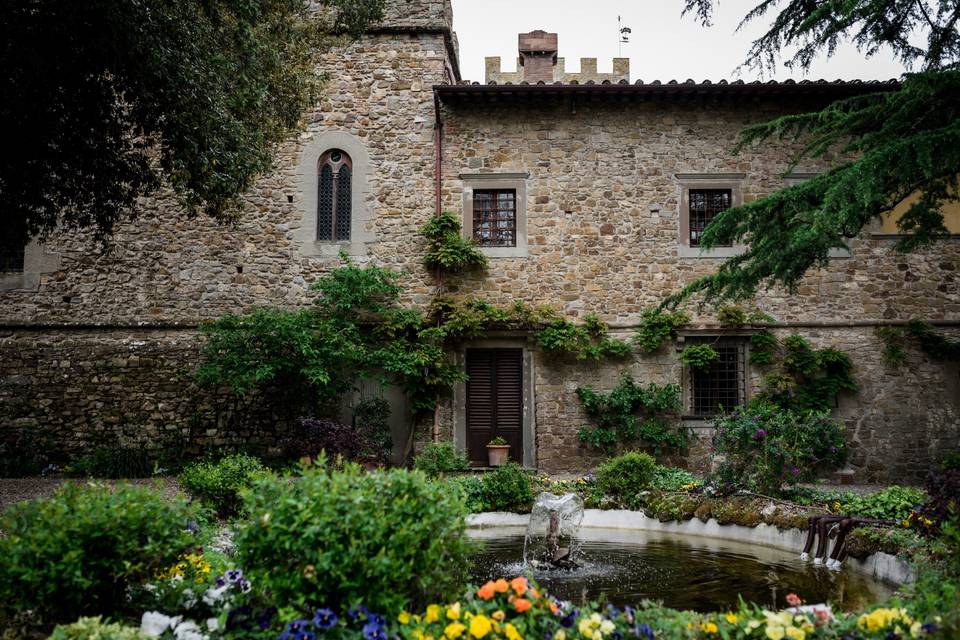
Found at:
(538, 62)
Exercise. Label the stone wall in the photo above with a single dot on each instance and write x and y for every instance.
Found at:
(103, 348)
(902, 421)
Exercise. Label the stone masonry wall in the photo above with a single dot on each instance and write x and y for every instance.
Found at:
(901, 422)
(103, 348)
(603, 232)
(118, 380)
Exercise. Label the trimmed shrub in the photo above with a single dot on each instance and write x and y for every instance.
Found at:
(624, 477)
(219, 483)
(766, 446)
(508, 488)
(79, 551)
(471, 490)
(438, 458)
(95, 629)
(389, 539)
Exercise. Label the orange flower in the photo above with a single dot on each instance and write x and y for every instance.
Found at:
(534, 594)
(501, 586)
(554, 608)
(487, 591)
(521, 605)
(519, 585)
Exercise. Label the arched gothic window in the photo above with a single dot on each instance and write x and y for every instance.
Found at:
(334, 198)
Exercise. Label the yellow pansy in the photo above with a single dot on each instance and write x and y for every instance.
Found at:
(586, 630)
(433, 613)
(560, 635)
(607, 627)
(731, 618)
(453, 611)
(511, 632)
(795, 634)
(480, 626)
(710, 627)
(454, 630)
(775, 632)
(403, 618)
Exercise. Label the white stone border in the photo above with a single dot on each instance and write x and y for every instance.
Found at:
(881, 566)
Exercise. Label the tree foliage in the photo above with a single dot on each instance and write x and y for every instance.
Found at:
(895, 143)
(107, 100)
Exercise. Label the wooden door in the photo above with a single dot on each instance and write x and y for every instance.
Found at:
(494, 401)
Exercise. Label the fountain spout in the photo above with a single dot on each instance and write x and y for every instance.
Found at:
(554, 523)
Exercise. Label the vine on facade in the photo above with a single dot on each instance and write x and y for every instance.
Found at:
(631, 413)
(656, 327)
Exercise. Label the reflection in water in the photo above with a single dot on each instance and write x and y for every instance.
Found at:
(684, 573)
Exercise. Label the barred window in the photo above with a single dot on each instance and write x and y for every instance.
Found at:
(334, 197)
(495, 217)
(721, 387)
(11, 258)
(705, 205)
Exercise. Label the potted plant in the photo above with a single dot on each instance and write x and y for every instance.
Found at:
(498, 451)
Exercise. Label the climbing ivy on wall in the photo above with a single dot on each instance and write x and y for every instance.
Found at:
(656, 327)
(631, 413)
(447, 249)
(806, 378)
(932, 343)
(357, 327)
(699, 356)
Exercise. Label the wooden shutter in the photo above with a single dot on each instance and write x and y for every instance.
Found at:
(494, 401)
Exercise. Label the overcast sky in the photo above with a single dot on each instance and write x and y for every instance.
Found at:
(662, 46)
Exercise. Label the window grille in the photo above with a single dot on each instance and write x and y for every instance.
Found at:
(495, 217)
(705, 205)
(721, 386)
(334, 197)
(11, 259)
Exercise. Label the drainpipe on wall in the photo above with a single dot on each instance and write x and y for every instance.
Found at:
(438, 177)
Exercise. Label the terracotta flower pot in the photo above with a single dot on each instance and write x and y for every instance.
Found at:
(498, 454)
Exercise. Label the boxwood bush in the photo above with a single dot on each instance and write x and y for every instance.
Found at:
(624, 477)
(218, 483)
(438, 458)
(507, 488)
(389, 539)
(79, 551)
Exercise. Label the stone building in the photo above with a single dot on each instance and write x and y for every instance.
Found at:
(587, 191)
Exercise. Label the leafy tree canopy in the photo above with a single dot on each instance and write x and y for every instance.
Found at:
(895, 143)
(106, 100)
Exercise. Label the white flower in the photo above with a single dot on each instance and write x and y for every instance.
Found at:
(188, 630)
(213, 596)
(154, 623)
(607, 627)
(189, 598)
(212, 624)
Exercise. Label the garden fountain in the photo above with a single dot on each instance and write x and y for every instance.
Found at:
(552, 530)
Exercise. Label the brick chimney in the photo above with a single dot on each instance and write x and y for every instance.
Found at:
(538, 56)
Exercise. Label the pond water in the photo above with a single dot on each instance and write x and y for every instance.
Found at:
(684, 572)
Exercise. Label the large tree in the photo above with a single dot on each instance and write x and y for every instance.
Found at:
(104, 101)
(895, 144)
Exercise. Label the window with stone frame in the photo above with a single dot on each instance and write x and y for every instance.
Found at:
(495, 217)
(704, 206)
(721, 386)
(334, 196)
(11, 258)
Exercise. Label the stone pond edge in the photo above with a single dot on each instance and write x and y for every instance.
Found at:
(880, 566)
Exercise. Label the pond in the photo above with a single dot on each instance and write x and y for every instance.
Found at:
(684, 572)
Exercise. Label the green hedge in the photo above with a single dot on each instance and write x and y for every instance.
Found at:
(77, 552)
(386, 538)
